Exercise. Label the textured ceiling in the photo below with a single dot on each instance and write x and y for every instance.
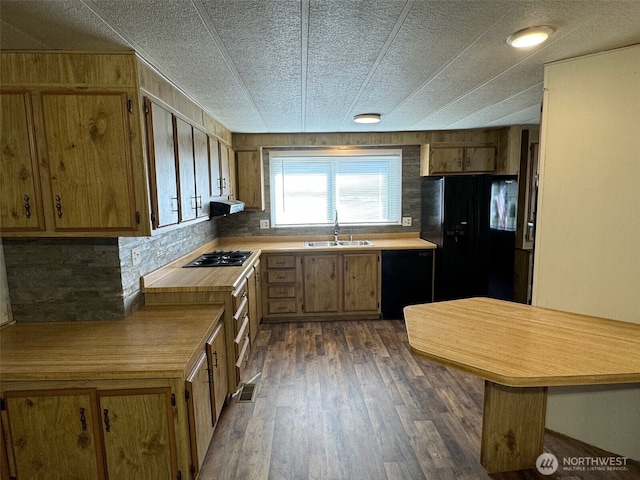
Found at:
(311, 65)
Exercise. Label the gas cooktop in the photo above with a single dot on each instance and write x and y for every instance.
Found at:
(220, 259)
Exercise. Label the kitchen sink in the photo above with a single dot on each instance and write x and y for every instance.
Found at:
(354, 243)
(340, 243)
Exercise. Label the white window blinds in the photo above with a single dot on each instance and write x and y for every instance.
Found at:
(308, 187)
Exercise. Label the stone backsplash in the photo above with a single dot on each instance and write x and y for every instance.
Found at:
(248, 222)
(90, 278)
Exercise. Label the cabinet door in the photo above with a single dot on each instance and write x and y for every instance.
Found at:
(250, 179)
(361, 281)
(162, 165)
(20, 197)
(88, 146)
(200, 411)
(215, 171)
(252, 293)
(480, 159)
(446, 160)
(217, 357)
(55, 434)
(138, 432)
(187, 170)
(320, 289)
(225, 171)
(203, 177)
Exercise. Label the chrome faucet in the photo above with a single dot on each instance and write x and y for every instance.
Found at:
(336, 227)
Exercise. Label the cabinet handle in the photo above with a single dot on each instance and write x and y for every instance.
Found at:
(58, 206)
(107, 423)
(27, 207)
(83, 419)
(177, 209)
(215, 354)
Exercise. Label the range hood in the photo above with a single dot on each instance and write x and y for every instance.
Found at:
(221, 207)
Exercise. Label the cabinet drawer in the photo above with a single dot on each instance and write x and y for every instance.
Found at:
(285, 291)
(239, 295)
(243, 331)
(281, 261)
(282, 306)
(241, 315)
(243, 357)
(281, 276)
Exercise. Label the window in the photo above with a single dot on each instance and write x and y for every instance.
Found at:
(308, 187)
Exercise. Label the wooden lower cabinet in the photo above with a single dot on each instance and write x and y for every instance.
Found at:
(321, 286)
(321, 283)
(138, 433)
(217, 358)
(200, 407)
(91, 434)
(361, 274)
(54, 434)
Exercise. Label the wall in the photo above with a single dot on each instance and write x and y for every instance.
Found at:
(89, 278)
(588, 228)
(249, 222)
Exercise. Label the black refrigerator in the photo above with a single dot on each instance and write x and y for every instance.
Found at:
(472, 220)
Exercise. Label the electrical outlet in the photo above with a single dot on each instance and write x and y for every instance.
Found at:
(264, 223)
(406, 221)
(136, 254)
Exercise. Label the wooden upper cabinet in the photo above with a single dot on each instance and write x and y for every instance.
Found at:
(138, 432)
(162, 165)
(361, 282)
(88, 142)
(250, 179)
(443, 160)
(55, 434)
(227, 172)
(186, 169)
(215, 173)
(480, 159)
(20, 195)
(203, 176)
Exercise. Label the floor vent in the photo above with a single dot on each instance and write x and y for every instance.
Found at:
(247, 393)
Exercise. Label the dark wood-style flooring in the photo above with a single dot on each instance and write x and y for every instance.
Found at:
(347, 400)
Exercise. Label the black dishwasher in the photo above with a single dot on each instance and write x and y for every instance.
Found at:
(407, 279)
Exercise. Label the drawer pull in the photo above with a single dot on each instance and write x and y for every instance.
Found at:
(107, 422)
(83, 419)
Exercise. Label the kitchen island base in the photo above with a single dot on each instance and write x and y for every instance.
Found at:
(512, 427)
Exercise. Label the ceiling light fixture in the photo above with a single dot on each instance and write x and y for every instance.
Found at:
(529, 37)
(367, 118)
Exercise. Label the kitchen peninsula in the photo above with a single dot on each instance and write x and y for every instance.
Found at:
(89, 399)
(520, 350)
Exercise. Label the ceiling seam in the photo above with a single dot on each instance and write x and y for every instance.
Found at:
(383, 52)
(35, 39)
(97, 11)
(443, 68)
(510, 97)
(304, 60)
(512, 66)
(217, 40)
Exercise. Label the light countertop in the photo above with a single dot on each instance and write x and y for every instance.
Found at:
(174, 278)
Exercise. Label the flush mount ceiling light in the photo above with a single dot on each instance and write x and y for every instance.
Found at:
(529, 37)
(367, 118)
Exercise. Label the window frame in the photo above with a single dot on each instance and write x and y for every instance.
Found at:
(335, 154)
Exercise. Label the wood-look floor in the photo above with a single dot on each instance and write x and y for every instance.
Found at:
(347, 400)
